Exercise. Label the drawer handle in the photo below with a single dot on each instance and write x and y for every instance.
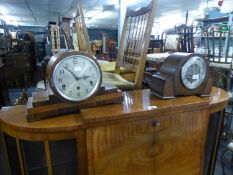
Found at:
(155, 123)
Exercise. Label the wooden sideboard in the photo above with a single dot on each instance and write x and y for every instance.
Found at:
(142, 136)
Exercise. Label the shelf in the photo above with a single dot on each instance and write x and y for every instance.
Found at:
(221, 60)
(217, 37)
(219, 19)
(220, 65)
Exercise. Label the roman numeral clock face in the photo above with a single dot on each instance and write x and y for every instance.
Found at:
(76, 77)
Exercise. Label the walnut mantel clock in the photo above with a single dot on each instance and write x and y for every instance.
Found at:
(75, 83)
(182, 74)
(74, 76)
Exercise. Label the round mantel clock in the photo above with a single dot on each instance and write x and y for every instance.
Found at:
(74, 76)
(182, 74)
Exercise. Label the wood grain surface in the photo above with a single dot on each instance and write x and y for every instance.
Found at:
(142, 136)
(135, 102)
(60, 108)
(139, 148)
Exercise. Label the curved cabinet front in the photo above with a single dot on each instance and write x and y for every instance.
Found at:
(141, 147)
(61, 153)
(143, 135)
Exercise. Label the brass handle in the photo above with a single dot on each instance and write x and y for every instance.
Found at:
(155, 123)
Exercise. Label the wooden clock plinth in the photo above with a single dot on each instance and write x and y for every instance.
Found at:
(44, 104)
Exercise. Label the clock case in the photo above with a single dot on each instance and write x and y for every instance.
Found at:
(167, 83)
(46, 104)
(53, 63)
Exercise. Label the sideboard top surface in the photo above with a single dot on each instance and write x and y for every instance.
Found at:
(136, 104)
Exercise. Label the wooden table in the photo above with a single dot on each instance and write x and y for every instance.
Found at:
(142, 136)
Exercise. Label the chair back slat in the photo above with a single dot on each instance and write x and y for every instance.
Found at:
(81, 30)
(135, 40)
(135, 34)
(139, 33)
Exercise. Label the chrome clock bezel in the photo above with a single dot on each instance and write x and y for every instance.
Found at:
(93, 91)
(202, 76)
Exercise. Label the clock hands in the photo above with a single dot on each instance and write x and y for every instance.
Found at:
(84, 77)
(75, 76)
(72, 73)
(193, 73)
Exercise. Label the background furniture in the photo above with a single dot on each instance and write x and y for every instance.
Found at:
(143, 135)
(133, 47)
(18, 70)
(213, 38)
(81, 31)
(171, 42)
(4, 96)
(154, 60)
(155, 46)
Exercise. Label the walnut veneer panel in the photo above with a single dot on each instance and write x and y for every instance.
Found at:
(124, 138)
(174, 147)
(135, 104)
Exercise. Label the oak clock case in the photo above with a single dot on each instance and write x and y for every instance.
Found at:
(182, 74)
(74, 76)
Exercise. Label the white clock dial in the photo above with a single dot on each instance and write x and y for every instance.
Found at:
(76, 77)
(193, 72)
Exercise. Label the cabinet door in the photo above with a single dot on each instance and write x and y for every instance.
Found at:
(142, 147)
(62, 154)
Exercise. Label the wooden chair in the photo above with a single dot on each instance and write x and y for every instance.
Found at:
(55, 38)
(133, 47)
(109, 67)
(81, 31)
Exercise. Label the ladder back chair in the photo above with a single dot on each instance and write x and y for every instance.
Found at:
(81, 31)
(133, 47)
(55, 38)
(110, 67)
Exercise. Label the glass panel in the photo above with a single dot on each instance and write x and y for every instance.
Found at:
(38, 171)
(64, 157)
(12, 154)
(34, 157)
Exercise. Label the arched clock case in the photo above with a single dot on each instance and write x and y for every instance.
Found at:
(74, 76)
(182, 74)
(74, 84)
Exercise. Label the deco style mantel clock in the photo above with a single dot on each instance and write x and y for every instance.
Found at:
(75, 83)
(182, 74)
